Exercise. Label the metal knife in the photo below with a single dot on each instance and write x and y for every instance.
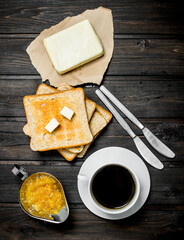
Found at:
(142, 148)
(152, 139)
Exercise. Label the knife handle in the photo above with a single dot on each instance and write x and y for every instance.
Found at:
(118, 117)
(121, 107)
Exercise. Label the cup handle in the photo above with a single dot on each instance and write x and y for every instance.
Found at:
(19, 172)
(83, 177)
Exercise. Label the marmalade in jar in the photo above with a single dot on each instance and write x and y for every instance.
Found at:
(42, 195)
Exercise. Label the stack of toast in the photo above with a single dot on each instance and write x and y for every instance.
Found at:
(71, 138)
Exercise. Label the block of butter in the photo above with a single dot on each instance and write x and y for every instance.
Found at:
(67, 112)
(53, 124)
(73, 47)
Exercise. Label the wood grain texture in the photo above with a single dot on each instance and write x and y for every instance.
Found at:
(130, 57)
(161, 224)
(160, 17)
(21, 152)
(166, 129)
(153, 97)
(146, 73)
(14, 144)
(166, 186)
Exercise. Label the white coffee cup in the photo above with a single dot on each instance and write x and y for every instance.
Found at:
(104, 209)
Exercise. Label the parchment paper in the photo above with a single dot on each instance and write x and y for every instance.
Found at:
(101, 20)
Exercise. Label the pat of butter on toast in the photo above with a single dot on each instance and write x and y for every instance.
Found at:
(41, 108)
(67, 112)
(53, 124)
(73, 47)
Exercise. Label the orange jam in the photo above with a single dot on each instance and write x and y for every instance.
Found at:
(42, 195)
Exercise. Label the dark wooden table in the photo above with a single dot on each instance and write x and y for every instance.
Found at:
(146, 73)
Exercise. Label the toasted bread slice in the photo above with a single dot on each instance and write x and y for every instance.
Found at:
(90, 105)
(90, 108)
(69, 156)
(85, 148)
(106, 114)
(45, 89)
(96, 128)
(40, 109)
(26, 130)
(42, 89)
(64, 86)
(97, 123)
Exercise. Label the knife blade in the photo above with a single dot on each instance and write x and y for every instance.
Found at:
(142, 148)
(152, 139)
(157, 144)
(147, 154)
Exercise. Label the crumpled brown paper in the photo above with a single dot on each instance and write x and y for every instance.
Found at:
(101, 20)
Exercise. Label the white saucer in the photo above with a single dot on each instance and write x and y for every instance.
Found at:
(114, 155)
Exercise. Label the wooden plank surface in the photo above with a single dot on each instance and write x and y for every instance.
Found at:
(149, 17)
(146, 73)
(151, 96)
(169, 130)
(161, 224)
(130, 57)
(165, 192)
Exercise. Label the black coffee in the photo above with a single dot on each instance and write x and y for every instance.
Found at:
(113, 186)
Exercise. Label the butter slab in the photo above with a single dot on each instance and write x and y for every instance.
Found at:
(52, 125)
(73, 47)
(67, 112)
